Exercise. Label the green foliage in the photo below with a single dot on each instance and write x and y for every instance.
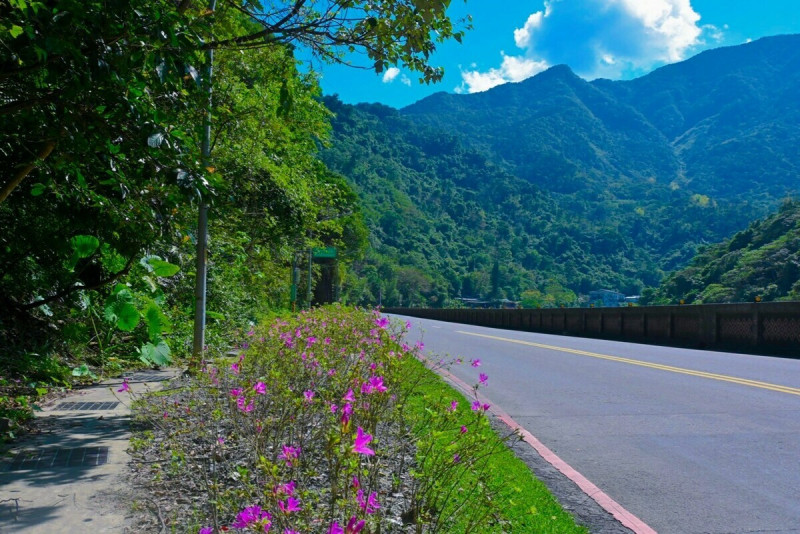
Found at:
(761, 261)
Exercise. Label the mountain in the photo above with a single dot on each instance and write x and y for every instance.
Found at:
(761, 261)
(603, 183)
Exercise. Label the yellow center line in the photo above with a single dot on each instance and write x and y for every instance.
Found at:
(670, 368)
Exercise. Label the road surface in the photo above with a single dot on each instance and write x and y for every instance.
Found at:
(688, 441)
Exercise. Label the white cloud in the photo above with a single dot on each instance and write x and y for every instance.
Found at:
(522, 36)
(512, 69)
(390, 74)
(608, 38)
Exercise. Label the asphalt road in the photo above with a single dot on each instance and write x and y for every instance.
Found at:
(689, 441)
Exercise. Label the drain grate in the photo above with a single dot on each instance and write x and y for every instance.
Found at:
(87, 406)
(49, 458)
(149, 376)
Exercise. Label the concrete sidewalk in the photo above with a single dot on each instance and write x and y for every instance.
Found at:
(69, 476)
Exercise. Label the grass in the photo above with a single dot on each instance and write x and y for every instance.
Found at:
(525, 503)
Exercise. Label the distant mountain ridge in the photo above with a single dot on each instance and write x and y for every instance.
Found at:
(573, 183)
(685, 124)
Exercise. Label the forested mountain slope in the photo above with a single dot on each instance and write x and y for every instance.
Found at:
(556, 179)
(761, 261)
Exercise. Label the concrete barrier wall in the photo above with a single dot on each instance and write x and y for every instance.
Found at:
(766, 327)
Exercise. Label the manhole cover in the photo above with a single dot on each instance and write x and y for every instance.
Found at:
(49, 458)
(87, 405)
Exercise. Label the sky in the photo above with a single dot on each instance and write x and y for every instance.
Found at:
(512, 40)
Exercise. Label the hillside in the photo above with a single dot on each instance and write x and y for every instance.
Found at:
(588, 184)
(761, 261)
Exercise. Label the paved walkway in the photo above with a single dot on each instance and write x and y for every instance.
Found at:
(68, 477)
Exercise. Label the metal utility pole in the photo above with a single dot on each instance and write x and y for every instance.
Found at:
(198, 344)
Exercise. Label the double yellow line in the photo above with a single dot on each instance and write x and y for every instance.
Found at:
(670, 368)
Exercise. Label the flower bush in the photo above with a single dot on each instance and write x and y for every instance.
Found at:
(314, 425)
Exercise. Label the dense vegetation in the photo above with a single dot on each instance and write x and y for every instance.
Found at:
(103, 107)
(761, 261)
(556, 186)
(326, 422)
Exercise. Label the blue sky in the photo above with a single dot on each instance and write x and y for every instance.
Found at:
(617, 39)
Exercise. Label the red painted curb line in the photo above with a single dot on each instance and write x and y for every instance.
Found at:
(607, 503)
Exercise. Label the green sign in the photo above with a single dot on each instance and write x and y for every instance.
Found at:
(323, 253)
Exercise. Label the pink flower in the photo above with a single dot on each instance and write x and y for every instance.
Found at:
(206, 530)
(376, 382)
(291, 505)
(347, 411)
(252, 515)
(335, 528)
(463, 429)
(456, 458)
(356, 484)
(361, 442)
(285, 489)
(482, 378)
(334, 408)
(486, 407)
(235, 368)
(476, 363)
(240, 402)
(235, 392)
(260, 388)
(124, 386)
(354, 526)
(290, 454)
(476, 405)
(350, 396)
(220, 440)
(453, 406)
(371, 504)
(309, 395)
(310, 341)
(327, 341)
(382, 322)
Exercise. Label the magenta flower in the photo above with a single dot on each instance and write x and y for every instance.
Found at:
(240, 402)
(260, 388)
(291, 505)
(309, 395)
(482, 378)
(476, 405)
(290, 454)
(333, 408)
(252, 515)
(382, 322)
(310, 341)
(235, 392)
(354, 526)
(349, 396)
(361, 442)
(335, 528)
(371, 504)
(347, 411)
(327, 341)
(235, 368)
(463, 429)
(420, 345)
(220, 440)
(356, 484)
(453, 406)
(285, 489)
(206, 530)
(376, 383)
(476, 362)
(125, 386)
(456, 458)
(290, 531)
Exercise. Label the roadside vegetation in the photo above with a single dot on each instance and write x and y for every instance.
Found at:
(330, 422)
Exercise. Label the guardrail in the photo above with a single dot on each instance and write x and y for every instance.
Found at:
(765, 327)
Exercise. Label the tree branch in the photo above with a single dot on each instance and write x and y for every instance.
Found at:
(24, 171)
(65, 292)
